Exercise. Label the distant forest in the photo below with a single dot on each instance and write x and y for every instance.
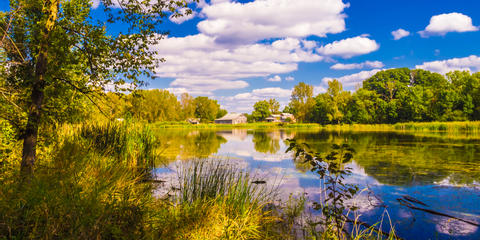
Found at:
(390, 96)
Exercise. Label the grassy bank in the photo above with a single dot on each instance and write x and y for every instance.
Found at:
(467, 126)
(94, 181)
(260, 125)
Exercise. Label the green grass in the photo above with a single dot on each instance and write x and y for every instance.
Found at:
(259, 125)
(82, 190)
(216, 200)
(91, 182)
(468, 126)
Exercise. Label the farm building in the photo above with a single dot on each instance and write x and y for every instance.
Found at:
(283, 117)
(232, 118)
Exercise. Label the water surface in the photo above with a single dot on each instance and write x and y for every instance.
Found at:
(438, 169)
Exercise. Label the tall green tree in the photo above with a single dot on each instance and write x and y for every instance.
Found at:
(274, 105)
(155, 106)
(337, 101)
(302, 102)
(206, 109)
(188, 105)
(60, 44)
(261, 110)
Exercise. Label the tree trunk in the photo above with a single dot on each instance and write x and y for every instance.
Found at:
(50, 10)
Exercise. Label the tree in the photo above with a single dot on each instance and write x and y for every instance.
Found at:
(188, 105)
(261, 110)
(60, 44)
(301, 101)
(274, 105)
(337, 101)
(154, 105)
(221, 113)
(206, 109)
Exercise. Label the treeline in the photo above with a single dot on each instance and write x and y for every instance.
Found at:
(161, 105)
(391, 96)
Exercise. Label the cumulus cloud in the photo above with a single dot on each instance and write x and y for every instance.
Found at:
(400, 33)
(289, 78)
(353, 79)
(194, 60)
(349, 47)
(275, 78)
(207, 85)
(184, 17)
(318, 89)
(366, 64)
(448, 22)
(243, 102)
(471, 63)
(266, 19)
(95, 3)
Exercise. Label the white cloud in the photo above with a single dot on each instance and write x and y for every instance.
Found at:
(95, 3)
(289, 78)
(243, 102)
(449, 22)
(275, 78)
(471, 63)
(318, 89)
(353, 79)
(207, 85)
(272, 92)
(349, 47)
(400, 33)
(367, 64)
(235, 22)
(197, 58)
(185, 17)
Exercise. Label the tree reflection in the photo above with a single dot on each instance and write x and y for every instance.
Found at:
(188, 144)
(406, 159)
(265, 142)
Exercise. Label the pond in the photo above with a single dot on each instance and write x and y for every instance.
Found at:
(434, 171)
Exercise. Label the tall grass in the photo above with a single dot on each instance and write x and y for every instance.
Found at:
(87, 187)
(230, 205)
(90, 184)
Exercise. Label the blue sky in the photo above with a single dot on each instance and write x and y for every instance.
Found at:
(239, 52)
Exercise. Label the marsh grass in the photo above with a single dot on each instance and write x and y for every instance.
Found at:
(258, 125)
(216, 200)
(467, 126)
(83, 189)
(91, 182)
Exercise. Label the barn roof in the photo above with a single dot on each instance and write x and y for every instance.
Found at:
(230, 116)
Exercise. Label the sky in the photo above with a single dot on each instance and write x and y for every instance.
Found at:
(243, 51)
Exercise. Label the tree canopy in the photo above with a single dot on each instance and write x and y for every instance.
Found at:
(57, 52)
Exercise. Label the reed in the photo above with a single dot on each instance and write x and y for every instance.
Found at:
(81, 191)
(218, 201)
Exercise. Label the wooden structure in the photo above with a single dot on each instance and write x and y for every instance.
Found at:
(232, 118)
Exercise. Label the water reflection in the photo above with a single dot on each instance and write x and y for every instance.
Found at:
(441, 171)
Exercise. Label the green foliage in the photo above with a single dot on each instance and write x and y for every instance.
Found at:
(399, 95)
(221, 113)
(88, 187)
(301, 102)
(261, 110)
(206, 109)
(274, 106)
(154, 106)
(331, 170)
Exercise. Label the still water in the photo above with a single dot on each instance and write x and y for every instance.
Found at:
(441, 172)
